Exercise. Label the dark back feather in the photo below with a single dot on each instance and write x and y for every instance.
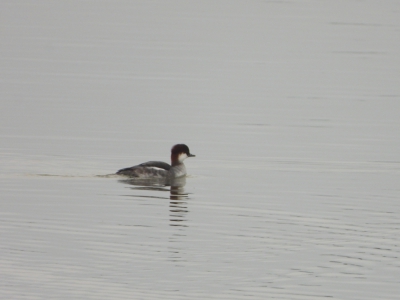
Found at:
(156, 164)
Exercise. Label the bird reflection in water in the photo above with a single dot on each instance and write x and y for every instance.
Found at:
(178, 202)
(178, 197)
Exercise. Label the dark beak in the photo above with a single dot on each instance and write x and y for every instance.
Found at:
(191, 155)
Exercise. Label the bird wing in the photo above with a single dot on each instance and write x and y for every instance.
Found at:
(156, 164)
(147, 169)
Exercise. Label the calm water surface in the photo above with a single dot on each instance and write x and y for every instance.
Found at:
(292, 110)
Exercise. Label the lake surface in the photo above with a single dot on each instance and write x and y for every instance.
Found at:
(291, 107)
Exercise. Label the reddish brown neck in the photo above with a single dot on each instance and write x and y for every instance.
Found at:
(174, 159)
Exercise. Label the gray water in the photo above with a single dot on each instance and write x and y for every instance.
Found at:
(291, 107)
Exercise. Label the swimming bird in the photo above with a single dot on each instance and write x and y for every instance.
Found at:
(159, 169)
